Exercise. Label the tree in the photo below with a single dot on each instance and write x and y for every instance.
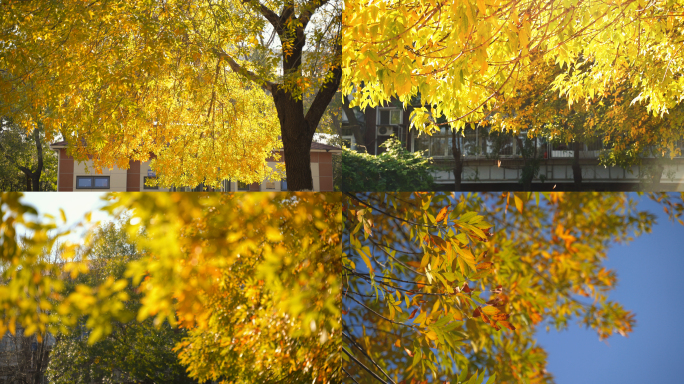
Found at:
(134, 351)
(29, 155)
(630, 132)
(396, 169)
(23, 359)
(254, 278)
(463, 57)
(443, 288)
(538, 110)
(197, 84)
(428, 283)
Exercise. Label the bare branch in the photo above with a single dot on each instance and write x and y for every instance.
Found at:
(378, 378)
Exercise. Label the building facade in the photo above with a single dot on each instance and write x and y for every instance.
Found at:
(495, 161)
(74, 176)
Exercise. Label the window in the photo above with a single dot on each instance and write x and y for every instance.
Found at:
(390, 116)
(437, 145)
(283, 185)
(92, 182)
(226, 186)
(242, 186)
(151, 178)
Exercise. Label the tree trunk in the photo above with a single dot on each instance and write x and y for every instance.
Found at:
(297, 129)
(32, 176)
(355, 126)
(527, 173)
(458, 161)
(39, 361)
(35, 175)
(297, 137)
(576, 168)
(656, 176)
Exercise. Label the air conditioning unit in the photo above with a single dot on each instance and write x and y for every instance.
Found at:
(388, 130)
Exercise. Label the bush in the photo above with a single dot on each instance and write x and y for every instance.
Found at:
(396, 169)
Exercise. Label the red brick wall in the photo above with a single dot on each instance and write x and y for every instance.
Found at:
(66, 172)
(133, 177)
(325, 171)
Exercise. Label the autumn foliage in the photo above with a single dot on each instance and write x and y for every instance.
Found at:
(461, 57)
(440, 286)
(277, 287)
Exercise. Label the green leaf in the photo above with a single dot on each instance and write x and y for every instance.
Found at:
(463, 375)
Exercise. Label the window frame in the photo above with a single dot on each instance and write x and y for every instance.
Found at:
(145, 183)
(398, 110)
(92, 184)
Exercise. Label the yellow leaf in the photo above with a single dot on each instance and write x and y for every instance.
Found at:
(442, 214)
(518, 203)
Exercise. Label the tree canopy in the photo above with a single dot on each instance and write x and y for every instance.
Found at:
(628, 130)
(462, 57)
(205, 87)
(134, 351)
(303, 287)
(253, 278)
(441, 288)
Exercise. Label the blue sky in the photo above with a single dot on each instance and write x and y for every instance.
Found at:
(650, 284)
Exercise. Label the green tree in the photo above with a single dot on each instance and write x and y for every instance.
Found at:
(27, 155)
(134, 351)
(396, 169)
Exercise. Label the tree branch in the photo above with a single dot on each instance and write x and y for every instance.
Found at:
(268, 14)
(378, 378)
(265, 84)
(379, 315)
(325, 93)
(368, 356)
(309, 9)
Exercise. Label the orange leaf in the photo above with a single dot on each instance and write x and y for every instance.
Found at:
(507, 325)
(442, 214)
(485, 265)
(491, 310)
(413, 314)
